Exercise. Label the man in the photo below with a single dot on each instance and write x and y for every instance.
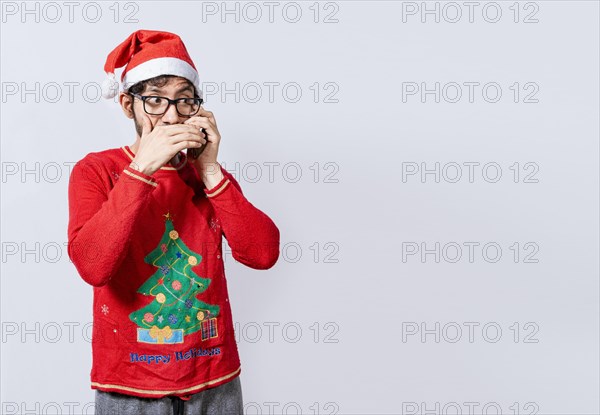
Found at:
(146, 223)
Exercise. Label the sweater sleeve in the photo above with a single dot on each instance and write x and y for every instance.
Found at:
(101, 220)
(251, 234)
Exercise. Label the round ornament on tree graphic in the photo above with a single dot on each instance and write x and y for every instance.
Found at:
(175, 311)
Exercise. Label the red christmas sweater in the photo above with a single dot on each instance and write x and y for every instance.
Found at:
(151, 248)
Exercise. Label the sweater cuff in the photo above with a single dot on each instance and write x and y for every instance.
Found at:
(140, 176)
(218, 189)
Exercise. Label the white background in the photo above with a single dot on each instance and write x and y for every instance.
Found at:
(357, 293)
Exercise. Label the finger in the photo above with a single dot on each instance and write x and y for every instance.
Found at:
(204, 112)
(198, 122)
(191, 120)
(146, 125)
(206, 132)
(187, 144)
(207, 114)
(181, 129)
(205, 126)
(202, 126)
(186, 137)
(204, 137)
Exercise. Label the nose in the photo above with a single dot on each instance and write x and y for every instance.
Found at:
(171, 116)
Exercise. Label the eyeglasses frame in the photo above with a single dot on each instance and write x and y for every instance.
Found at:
(143, 98)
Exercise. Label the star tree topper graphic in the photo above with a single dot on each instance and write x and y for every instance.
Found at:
(175, 310)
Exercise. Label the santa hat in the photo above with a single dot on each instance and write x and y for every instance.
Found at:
(146, 54)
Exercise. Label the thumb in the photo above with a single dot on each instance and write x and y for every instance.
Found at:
(146, 126)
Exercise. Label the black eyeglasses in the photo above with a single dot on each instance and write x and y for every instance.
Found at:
(154, 105)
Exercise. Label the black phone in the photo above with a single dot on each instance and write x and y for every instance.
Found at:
(195, 152)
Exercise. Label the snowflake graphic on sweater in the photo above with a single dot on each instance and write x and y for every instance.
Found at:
(214, 224)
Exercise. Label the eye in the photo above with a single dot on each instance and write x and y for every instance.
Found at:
(155, 100)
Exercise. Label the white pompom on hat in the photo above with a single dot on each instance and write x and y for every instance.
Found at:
(146, 54)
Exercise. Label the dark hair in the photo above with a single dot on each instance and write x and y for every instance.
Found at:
(157, 81)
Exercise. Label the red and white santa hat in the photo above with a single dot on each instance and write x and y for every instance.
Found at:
(146, 54)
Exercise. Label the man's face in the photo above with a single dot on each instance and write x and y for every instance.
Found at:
(174, 88)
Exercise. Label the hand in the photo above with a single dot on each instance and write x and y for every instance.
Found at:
(206, 164)
(158, 145)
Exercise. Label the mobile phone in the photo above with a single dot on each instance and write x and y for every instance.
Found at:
(195, 152)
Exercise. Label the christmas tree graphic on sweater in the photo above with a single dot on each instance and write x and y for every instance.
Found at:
(175, 311)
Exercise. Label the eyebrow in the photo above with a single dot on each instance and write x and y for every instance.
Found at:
(157, 89)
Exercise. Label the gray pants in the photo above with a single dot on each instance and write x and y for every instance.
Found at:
(225, 399)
